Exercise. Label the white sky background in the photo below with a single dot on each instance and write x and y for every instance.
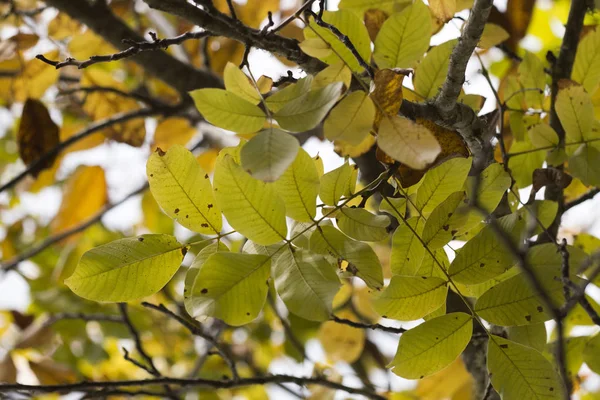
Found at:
(125, 171)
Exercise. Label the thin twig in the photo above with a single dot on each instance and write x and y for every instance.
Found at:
(135, 48)
(151, 368)
(360, 325)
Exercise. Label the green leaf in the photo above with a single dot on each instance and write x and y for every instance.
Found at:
(307, 284)
(348, 24)
(189, 296)
(127, 269)
(407, 249)
(306, 112)
(493, 184)
(432, 346)
(252, 207)
(335, 184)
(362, 260)
(361, 225)
(351, 119)
(444, 221)
(408, 298)
(237, 82)
(514, 302)
(434, 267)
(228, 110)
(395, 206)
(299, 187)
(591, 354)
(232, 286)
(520, 372)
(576, 113)
(432, 71)
(583, 164)
(533, 335)
(586, 68)
(532, 76)
(404, 37)
(523, 165)
(485, 256)
(269, 154)
(290, 93)
(440, 182)
(408, 142)
(182, 189)
(542, 135)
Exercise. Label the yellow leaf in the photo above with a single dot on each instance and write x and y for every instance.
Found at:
(338, 72)
(405, 141)
(342, 342)
(172, 131)
(347, 150)
(492, 36)
(72, 126)
(237, 82)
(586, 69)
(316, 47)
(387, 95)
(85, 194)
(62, 27)
(101, 105)
(87, 44)
(37, 134)
(208, 160)
(36, 77)
(443, 10)
(445, 383)
(351, 119)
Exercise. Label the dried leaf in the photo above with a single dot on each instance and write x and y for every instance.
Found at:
(37, 134)
(374, 19)
(387, 95)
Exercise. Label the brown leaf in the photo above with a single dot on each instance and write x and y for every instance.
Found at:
(374, 19)
(515, 20)
(50, 372)
(387, 94)
(37, 134)
(549, 176)
(8, 370)
(443, 10)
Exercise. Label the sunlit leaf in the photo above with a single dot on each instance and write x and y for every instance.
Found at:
(127, 269)
(533, 335)
(360, 224)
(583, 164)
(493, 184)
(404, 37)
(172, 131)
(585, 68)
(228, 110)
(342, 342)
(232, 287)
(337, 72)
(351, 120)
(183, 190)
(444, 221)
(532, 76)
(348, 24)
(492, 36)
(237, 82)
(408, 298)
(518, 371)
(290, 93)
(407, 250)
(432, 71)
(335, 184)
(432, 346)
(576, 113)
(251, 206)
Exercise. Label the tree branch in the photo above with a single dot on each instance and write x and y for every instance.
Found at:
(222, 25)
(367, 326)
(99, 18)
(92, 387)
(446, 99)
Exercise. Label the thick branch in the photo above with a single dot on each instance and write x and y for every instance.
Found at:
(99, 18)
(223, 25)
(446, 99)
